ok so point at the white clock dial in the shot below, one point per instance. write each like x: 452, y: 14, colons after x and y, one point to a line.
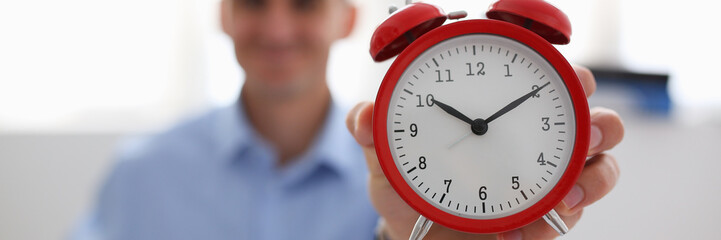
x: 509, y: 167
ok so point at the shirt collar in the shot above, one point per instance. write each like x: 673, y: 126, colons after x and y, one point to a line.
x: 235, y: 137
x: 230, y: 131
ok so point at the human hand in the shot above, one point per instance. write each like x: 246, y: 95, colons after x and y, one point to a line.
x: 599, y: 176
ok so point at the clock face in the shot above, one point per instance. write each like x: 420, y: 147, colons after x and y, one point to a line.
x: 459, y: 147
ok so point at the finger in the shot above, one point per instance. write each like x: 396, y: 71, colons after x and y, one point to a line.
x: 599, y: 176
x: 539, y: 229
x: 606, y: 130
x: 359, y: 123
x: 587, y: 80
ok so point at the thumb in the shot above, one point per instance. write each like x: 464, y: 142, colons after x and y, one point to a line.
x: 360, y: 124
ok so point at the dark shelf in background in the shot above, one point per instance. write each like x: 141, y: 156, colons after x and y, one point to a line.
x: 649, y: 90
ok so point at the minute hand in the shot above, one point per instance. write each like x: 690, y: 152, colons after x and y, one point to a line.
x: 514, y: 104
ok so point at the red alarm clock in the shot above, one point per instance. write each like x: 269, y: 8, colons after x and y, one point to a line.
x: 480, y: 125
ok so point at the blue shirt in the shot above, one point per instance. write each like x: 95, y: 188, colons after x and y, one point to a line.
x: 213, y: 177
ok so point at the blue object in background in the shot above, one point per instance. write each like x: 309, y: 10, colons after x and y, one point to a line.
x: 649, y: 90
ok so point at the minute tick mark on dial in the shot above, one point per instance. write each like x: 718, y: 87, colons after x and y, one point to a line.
x: 406, y: 163
x: 400, y: 106
x: 483, y: 207
x: 529, y: 65
x: 550, y: 163
x: 514, y: 58
x: 419, y: 185
x: 403, y: 98
x: 409, y: 92
x: 539, y: 186
x: 534, y: 72
x: 559, y: 106
x: 524, y: 195
x: 519, y: 202
x: 474, y: 50
x: 429, y: 66
x: 402, y: 155
x: 559, y: 123
x: 559, y: 149
x: 560, y: 115
x: 401, y: 147
x: 449, y: 203
x: 421, y: 70
x: 523, y: 60
x: 552, y: 90
x: 434, y: 196
x: 542, y: 77
x: 412, y: 169
x: 458, y: 52
x: 414, y: 178
x: 544, y: 179
x: 507, y: 51
x: 556, y: 98
x: 436, y: 62
x: 399, y: 130
x: 532, y: 192
x: 549, y: 172
x: 557, y: 157
x: 397, y: 139
x: 427, y: 190
x: 561, y: 140
x: 442, y: 56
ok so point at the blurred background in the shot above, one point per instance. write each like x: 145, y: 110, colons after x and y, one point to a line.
x: 79, y: 76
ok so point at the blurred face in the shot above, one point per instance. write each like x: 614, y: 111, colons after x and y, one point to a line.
x: 283, y: 45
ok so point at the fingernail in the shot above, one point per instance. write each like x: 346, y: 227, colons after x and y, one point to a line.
x: 573, y: 197
x: 596, y: 137
x: 512, y: 235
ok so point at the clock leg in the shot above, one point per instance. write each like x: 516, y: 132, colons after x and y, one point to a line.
x: 421, y: 228
x: 556, y: 222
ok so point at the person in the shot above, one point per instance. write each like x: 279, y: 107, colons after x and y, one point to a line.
x: 279, y: 163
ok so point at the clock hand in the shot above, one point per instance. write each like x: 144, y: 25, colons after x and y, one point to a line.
x: 515, y: 104
x: 452, y: 111
x: 478, y: 126
x: 459, y: 140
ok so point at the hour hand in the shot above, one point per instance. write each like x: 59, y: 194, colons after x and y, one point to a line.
x: 453, y: 112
